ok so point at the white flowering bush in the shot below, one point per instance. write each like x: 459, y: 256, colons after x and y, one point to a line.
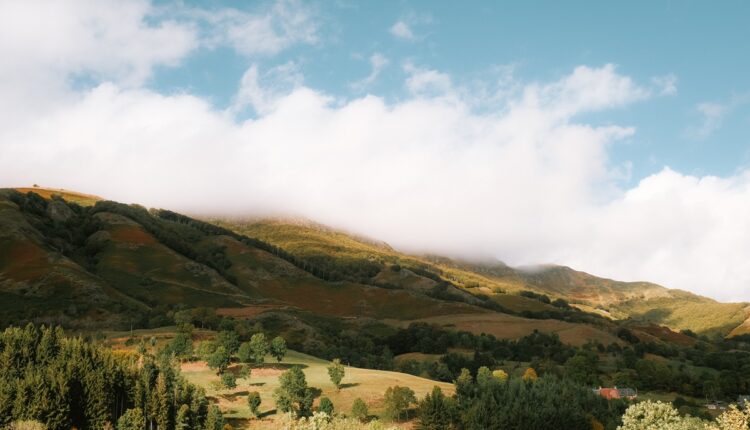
x: 733, y: 419
x: 323, y: 421
x: 650, y: 415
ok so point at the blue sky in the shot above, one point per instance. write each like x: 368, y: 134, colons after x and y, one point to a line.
x: 609, y: 137
x: 699, y: 44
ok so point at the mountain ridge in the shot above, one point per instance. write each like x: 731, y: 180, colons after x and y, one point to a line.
x: 133, y: 259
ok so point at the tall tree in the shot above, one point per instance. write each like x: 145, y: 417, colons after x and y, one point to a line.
x: 259, y: 347
x: 219, y: 360
x: 293, y: 394
x: 336, y: 372
x: 397, y: 402
x: 278, y: 348
x: 214, y: 419
x: 436, y: 412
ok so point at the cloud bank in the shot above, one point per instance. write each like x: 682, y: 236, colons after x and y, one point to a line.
x: 528, y: 181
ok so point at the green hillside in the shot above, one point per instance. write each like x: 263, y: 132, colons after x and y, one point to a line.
x: 79, y: 260
x: 348, y: 256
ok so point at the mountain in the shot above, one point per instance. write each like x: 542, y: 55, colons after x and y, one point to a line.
x: 82, y: 261
x: 639, y: 301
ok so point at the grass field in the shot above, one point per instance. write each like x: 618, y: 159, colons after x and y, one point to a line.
x: 367, y: 384
x: 71, y: 196
x: 504, y: 326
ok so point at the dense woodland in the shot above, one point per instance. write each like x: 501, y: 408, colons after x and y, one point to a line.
x: 70, y: 382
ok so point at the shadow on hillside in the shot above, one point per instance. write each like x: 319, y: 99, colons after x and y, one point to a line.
x: 234, y: 396
x: 349, y: 385
x: 257, y: 384
x: 278, y: 366
x: 653, y: 315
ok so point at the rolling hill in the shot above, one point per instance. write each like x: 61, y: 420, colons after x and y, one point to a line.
x: 640, y: 301
x: 79, y: 260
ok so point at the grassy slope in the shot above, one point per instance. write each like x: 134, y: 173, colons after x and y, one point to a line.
x: 504, y: 326
x: 367, y: 384
x: 149, y: 269
x: 71, y: 196
x: 137, y: 268
x: 642, y: 301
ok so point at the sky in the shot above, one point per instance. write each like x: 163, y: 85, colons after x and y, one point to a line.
x: 609, y: 137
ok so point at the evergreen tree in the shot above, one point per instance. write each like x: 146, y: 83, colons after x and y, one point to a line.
x: 326, y: 406
x: 436, y: 412
x: 464, y: 388
x: 214, y: 419
x: 132, y: 419
x: 182, y: 420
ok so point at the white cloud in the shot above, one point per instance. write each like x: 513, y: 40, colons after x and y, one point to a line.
x: 378, y: 62
x: 712, y: 115
x: 528, y: 181
x: 264, y: 32
x: 261, y: 92
x: 666, y: 84
x: 401, y: 30
x: 422, y: 81
x: 46, y: 45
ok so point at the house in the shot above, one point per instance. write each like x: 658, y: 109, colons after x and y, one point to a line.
x: 616, y: 393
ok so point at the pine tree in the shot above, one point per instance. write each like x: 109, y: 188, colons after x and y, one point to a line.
x: 214, y: 419
x: 436, y: 412
x: 132, y: 419
x: 182, y: 420
x: 326, y: 406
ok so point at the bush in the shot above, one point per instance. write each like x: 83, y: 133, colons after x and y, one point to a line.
x: 326, y: 406
x: 359, y: 409
x: 253, y: 402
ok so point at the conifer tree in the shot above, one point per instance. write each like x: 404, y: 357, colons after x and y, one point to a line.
x: 326, y: 406
x: 214, y: 419
x: 436, y: 412
x: 182, y: 419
